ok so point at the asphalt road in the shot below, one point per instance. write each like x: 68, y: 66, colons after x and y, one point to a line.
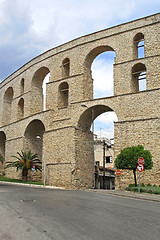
x: 44, y: 214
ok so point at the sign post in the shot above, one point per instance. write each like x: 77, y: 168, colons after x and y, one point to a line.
x: 118, y: 172
x: 140, y: 168
x: 33, y: 168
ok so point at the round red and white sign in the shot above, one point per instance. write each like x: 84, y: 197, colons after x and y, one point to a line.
x: 140, y: 160
x: 140, y: 168
x: 118, y: 172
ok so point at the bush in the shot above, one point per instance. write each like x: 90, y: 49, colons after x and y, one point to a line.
x: 131, y: 185
x: 145, y: 189
x: 149, y: 185
x: 142, y: 185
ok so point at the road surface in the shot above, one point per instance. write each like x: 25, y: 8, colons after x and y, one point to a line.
x: 44, y: 214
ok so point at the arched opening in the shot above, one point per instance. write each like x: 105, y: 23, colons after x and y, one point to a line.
x: 7, y: 105
x: 97, y: 151
x: 2, y: 148
x: 33, y: 137
x: 138, y: 42
x: 44, y: 86
x: 38, y: 90
x: 139, y: 77
x: 99, y: 72
x: 22, y: 86
x: 102, y: 73
x: 20, y: 112
x: 63, y: 95
x: 65, y: 68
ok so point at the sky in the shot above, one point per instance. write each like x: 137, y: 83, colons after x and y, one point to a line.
x: 29, y: 28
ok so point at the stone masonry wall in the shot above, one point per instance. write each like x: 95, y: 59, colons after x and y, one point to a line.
x: 64, y: 129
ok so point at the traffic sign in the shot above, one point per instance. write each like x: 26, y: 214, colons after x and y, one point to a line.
x: 140, y: 160
x: 140, y: 168
x: 118, y: 172
x: 33, y: 167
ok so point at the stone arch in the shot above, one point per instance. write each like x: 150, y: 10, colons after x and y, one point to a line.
x: 22, y: 86
x: 66, y: 68
x: 63, y: 95
x: 33, y: 137
x: 139, y: 77
x: 2, y: 143
x: 88, y: 81
x: 89, y: 115
x: 138, y: 46
x: 36, y: 100
x: 20, y: 110
x: 84, y: 143
x: 7, y: 105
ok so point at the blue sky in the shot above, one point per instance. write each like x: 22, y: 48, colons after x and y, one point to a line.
x: 28, y: 28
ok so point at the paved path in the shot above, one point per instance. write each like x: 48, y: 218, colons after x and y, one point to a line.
x: 143, y: 196
x: 53, y: 214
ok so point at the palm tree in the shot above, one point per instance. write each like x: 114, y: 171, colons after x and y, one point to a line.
x: 25, y: 161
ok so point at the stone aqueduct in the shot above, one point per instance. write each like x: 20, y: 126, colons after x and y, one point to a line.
x: 64, y: 127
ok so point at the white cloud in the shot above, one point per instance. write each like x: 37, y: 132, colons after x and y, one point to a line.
x: 105, y: 132
x: 107, y: 118
x: 102, y: 73
x: 28, y: 28
x: 104, y: 124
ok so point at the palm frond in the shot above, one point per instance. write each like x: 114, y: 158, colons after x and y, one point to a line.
x: 1, y: 159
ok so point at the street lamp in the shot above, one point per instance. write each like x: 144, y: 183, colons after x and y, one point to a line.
x: 44, y: 170
x: 83, y: 105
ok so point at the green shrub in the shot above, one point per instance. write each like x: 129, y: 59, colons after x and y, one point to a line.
x: 156, y: 190
x: 131, y: 185
x: 149, y: 185
x: 145, y: 189
x: 142, y: 185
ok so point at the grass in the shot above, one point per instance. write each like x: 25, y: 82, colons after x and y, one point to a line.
x: 152, y: 189
x: 6, y: 179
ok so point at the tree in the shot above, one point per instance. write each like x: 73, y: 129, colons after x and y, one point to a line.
x: 25, y: 161
x: 1, y: 159
x: 128, y: 159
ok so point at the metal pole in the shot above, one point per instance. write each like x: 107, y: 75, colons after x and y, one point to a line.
x: 93, y: 148
x: 44, y: 170
x: 139, y: 182
x: 31, y: 177
x: 103, y: 164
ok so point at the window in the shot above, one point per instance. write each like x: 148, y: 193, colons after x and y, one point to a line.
x: 20, y: 108
x: 63, y: 95
x: 7, y: 105
x: 139, y: 46
x: 66, y: 68
x: 139, y: 77
x: 108, y: 159
x: 22, y: 85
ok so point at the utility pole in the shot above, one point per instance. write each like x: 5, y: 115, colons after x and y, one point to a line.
x: 104, y: 158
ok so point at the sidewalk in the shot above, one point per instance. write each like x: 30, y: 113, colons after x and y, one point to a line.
x: 128, y: 194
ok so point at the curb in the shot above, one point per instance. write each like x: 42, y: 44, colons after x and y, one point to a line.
x: 31, y: 185
x: 147, y: 197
